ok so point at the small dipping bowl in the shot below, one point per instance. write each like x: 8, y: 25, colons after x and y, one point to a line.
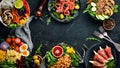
x: 109, y: 24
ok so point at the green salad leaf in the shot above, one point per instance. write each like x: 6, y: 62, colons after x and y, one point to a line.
x: 110, y: 64
x: 115, y: 8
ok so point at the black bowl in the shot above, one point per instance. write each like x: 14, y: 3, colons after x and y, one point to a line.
x: 61, y: 20
x: 89, y: 54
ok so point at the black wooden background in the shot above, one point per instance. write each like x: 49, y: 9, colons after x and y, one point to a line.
x: 73, y: 33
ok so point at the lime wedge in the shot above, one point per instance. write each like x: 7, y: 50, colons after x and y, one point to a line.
x: 18, y: 4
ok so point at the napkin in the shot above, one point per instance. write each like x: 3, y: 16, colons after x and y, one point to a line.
x: 24, y: 33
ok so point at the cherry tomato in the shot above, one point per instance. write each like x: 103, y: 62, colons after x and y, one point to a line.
x: 8, y: 40
x: 21, y: 43
x: 17, y: 40
x: 16, y: 49
x: 13, y: 39
x: 14, y: 44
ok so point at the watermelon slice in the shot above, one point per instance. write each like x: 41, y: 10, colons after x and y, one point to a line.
x: 57, y: 51
x: 108, y: 52
x: 103, y: 53
x: 98, y: 57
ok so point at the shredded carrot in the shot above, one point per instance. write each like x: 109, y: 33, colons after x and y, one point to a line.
x: 89, y: 1
x: 15, y: 16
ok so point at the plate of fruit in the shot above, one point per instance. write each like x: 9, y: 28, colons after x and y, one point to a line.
x: 13, y: 52
x: 101, y: 9
x: 14, y: 13
x: 64, y: 10
x: 101, y: 56
x: 62, y: 56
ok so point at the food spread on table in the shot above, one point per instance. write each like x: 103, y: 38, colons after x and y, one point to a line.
x: 14, y: 52
x: 14, y: 13
x: 101, y: 9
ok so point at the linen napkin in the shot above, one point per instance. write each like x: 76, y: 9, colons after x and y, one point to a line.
x: 24, y: 33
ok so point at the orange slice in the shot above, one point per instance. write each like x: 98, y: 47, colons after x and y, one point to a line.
x: 23, y: 47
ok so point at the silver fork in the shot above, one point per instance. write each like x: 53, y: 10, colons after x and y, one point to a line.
x: 104, y: 35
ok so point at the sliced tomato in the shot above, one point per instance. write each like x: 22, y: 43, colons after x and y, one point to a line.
x: 103, y: 53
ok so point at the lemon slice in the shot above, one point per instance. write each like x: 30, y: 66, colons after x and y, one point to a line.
x: 18, y: 4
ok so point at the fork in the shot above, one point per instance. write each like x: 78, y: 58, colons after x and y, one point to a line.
x: 104, y: 35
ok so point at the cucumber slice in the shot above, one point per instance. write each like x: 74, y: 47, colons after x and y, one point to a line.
x: 93, y: 9
x: 105, y: 16
x: 93, y: 4
x: 101, y: 17
x: 97, y: 17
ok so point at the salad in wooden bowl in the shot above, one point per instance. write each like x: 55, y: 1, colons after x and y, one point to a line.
x: 101, y: 9
x: 62, y: 56
x: 14, y: 13
x: 63, y: 10
x: 13, y: 53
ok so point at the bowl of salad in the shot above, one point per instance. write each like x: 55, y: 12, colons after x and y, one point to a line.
x: 101, y: 56
x: 63, y: 10
x: 101, y: 9
x: 62, y: 56
x: 13, y: 53
x: 14, y: 13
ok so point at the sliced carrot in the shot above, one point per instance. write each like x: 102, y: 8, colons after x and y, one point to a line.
x: 15, y: 16
x: 89, y: 1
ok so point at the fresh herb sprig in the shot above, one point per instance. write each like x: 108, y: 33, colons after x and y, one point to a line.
x: 92, y: 39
